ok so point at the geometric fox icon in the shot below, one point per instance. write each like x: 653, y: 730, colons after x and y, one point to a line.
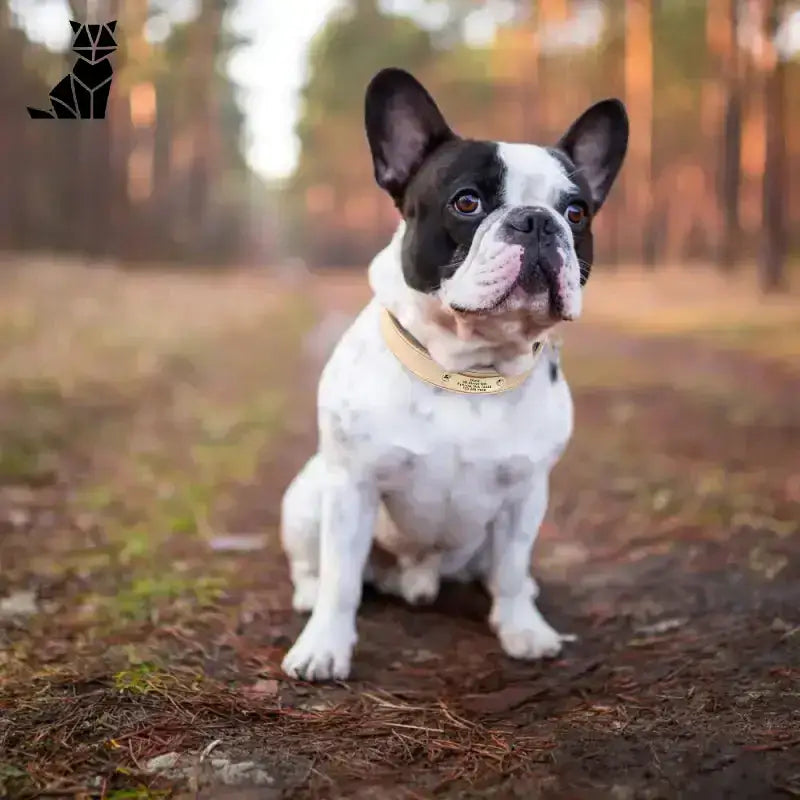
x: 83, y: 94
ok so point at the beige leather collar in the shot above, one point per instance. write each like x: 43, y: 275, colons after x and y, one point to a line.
x: 416, y: 359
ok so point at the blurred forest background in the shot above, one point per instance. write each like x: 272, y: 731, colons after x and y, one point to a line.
x: 152, y: 412
x: 713, y: 173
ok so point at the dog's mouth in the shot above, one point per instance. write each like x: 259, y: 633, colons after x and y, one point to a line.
x: 494, y: 305
x: 513, y: 279
x: 542, y: 298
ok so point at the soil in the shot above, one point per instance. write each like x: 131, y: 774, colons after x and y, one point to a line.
x: 671, y: 549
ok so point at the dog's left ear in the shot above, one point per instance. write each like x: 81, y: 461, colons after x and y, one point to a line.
x: 404, y: 126
x: 596, y: 143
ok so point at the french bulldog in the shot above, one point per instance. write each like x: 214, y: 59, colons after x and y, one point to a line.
x: 442, y: 408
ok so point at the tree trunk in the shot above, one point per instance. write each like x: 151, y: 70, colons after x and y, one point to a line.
x: 639, y: 96
x: 730, y: 170
x: 118, y: 124
x: 550, y: 104
x: 773, y: 251
x: 528, y: 76
x: 205, y: 121
x: 138, y: 110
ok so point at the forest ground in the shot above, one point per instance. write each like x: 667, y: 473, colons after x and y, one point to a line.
x: 150, y: 422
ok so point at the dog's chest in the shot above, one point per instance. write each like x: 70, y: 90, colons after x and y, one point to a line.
x: 443, y: 462
x: 445, y: 476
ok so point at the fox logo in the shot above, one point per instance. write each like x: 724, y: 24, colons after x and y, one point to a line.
x: 83, y: 94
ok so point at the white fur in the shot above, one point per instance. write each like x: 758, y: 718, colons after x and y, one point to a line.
x: 533, y: 176
x: 452, y: 486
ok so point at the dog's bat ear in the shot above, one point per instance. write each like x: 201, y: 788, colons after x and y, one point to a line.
x: 76, y: 26
x: 404, y: 126
x: 597, y: 142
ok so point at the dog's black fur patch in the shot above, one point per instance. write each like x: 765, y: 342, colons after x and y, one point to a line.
x: 432, y: 253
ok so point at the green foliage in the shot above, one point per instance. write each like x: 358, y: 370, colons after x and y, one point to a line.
x: 139, y: 793
x: 357, y: 41
x: 342, y: 59
x: 12, y: 779
x: 680, y: 65
x: 147, y: 593
x: 147, y: 678
x: 42, y: 425
x: 141, y: 679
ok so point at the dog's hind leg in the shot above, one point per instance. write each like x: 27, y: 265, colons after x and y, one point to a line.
x: 416, y: 580
x: 300, y: 529
x: 415, y: 577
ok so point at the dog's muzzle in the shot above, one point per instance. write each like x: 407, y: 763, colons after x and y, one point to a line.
x: 540, y: 235
x: 524, y: 256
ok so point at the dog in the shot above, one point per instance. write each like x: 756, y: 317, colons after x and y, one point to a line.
x: 442, y: 408
x: 83, y: 94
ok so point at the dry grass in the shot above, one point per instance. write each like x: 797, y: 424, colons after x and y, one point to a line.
x: 134, y: 406
x: 700, y: 303
x: 72, y: 323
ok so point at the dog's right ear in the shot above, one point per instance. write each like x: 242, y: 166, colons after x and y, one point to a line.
x: 404, y: 126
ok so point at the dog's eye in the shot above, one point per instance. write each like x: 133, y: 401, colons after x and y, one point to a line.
x: 575, y: 214
x: 467, y: 203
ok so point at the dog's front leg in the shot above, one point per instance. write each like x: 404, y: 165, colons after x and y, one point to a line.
x: 522, y: 630
x: 324, y: 649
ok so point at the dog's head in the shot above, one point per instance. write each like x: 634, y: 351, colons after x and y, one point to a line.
x: 93, y: 43
x: 492, y: 229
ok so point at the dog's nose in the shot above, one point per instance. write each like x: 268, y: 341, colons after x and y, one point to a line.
x: 536, y: 229
x: 530, y: 221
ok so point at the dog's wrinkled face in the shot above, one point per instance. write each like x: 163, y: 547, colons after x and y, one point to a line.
x: 492, y: 228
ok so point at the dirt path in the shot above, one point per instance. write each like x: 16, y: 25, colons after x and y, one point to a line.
x: 672, y: 549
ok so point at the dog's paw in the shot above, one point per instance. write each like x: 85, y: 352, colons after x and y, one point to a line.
x: 305, y: 594
x: 322, y: 652
x: 524, y: 633
x: 530, y: 644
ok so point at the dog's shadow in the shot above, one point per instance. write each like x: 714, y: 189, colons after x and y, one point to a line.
x: 398, y: 639
x: 455, y: 599
x: 468, y: 601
